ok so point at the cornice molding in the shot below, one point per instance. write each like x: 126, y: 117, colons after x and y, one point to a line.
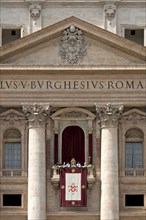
x: 76, y: 3
x: 23, y: 70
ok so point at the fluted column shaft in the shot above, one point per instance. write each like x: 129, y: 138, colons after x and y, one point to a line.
x: 109, y: 116
x: 36, y: 115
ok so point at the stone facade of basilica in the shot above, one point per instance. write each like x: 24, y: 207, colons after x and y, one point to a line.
x: 73, y: 85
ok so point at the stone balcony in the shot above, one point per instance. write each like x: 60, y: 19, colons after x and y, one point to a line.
x: 13, y: 173
x: 135, y: 172
x: 56, y: 175
x: 133, y: 176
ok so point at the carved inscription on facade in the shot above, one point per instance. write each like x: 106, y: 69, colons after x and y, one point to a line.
x: 72, y: 85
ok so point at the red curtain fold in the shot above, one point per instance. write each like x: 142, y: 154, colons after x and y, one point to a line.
x: 73, y: 144
x: 75, y: 203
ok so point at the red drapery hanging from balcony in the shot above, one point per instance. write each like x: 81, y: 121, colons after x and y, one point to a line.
x: 73, y: 144
x: 73, y: 187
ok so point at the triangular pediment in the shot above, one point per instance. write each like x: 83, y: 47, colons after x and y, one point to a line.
x: 85, y: 45
x: 11, y: 116
x: 134, y: 115
x: 134, y: 111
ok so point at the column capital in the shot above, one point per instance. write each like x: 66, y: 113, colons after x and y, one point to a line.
x: 109, y: 114
x: 36, y: 114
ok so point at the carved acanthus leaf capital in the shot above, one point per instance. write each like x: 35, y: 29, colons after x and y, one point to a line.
x: 36, y: 114
x: 109, y: 114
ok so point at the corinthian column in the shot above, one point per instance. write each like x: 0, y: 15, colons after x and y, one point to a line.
x: 109, y: 116
x: 36, y: 116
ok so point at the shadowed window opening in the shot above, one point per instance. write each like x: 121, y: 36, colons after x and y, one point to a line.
x: 9, y: 35
x: 136, y: 35
x: 134, y: 200
x: 12, y: 200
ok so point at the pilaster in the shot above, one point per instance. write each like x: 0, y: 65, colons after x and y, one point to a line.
x: 35, y: 17
x: 110, y: 17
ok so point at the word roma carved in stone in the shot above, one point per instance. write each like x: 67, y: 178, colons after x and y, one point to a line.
x: 72, y: 85
x: 72, y: 45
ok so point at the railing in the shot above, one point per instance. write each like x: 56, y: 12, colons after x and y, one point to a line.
x: 56, y: 175
x: 135, y: 172
x: 13, y: 173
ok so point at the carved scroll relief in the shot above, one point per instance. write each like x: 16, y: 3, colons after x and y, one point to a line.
x: 35, y: 17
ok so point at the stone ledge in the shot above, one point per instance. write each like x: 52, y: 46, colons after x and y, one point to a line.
x: 132, y: 180
x: 133, y: 215
x: 73, y: 215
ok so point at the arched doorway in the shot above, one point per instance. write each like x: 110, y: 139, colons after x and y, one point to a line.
x: 73, y: 144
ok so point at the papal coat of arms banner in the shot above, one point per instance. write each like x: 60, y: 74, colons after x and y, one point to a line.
x: 73, y: 187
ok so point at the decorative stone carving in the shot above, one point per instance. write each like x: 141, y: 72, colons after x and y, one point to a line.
x: 72, y: 45
x: 90, y: 176
x: 12, y: 116
x: 134, y: 118
x: 35, y: 11
x: 109, y: 114
x: 110, y: 11
x: 134, y: 133
x: 73, y: 115
x: 65, y: 111
x: 12, y: 133
x: 36, y: 114
x: 56, y: 176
